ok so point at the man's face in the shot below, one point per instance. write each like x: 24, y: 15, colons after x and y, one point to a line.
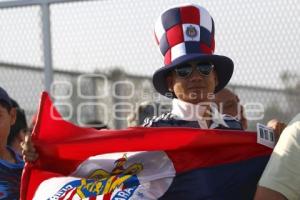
x: 195, y: 87
x: 7, y: 118
x: 229, y: 103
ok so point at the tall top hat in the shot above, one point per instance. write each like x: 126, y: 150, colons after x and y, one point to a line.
x: 185, y: 33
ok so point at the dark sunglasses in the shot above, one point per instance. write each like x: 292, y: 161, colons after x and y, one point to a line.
x: 186, y: 70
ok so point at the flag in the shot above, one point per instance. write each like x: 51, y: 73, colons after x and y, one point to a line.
x: 139, y: 163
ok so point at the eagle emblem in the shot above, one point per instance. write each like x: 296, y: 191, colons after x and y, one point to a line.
x: 191, y: 31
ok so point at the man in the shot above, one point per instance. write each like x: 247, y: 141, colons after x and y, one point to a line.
x: 192, y: 73
x: 277, y: 126
x: 229, y: 103
x: 19, y: 130
x: 144, y: 110
x: 281, y: 178
x: 191, y: 77
x: 11, y: 165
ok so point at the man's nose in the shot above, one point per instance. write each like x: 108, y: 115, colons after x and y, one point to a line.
x: 195, y: 75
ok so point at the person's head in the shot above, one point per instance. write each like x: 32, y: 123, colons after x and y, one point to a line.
x: 192, y: 73
x: 19, y: 130
x: 7, y: 116
x: 193, y: 82
x: 144, y: 110
x: 229, y: 103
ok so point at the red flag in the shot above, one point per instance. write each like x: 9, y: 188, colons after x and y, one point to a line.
x: 63, y: 148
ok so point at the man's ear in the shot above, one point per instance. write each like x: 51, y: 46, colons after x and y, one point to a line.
x: 169, y: 80
x: 13, y: 116
x: 216, y: 78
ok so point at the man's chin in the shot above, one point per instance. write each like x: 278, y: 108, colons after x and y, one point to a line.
x: 196, y: 96
x: 198, y: 99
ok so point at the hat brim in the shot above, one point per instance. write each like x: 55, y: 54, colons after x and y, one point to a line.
x: 223, y: 66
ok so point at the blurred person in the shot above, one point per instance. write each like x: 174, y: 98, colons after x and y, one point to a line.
x: 11, y: 164
x: 277, y: 126
x: 19, y: 130
x: 145, y: 110
x: 281, y: 177
x: 229, y: 103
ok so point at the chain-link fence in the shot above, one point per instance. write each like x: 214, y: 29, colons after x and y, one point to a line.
x: 103, y: 54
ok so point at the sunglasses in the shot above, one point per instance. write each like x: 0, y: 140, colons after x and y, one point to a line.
x: 186, y: 70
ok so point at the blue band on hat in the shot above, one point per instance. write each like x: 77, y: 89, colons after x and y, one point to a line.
x: 171, y: 18
x: 164, y: 44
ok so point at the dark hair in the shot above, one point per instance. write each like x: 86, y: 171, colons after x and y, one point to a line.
x: 146, y: 110
x: 14, y: 103
x: 96, y: 124
x: 5, y: 105
x: 19, y: 125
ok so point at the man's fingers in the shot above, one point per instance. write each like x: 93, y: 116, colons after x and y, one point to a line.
x: 28, y: 151
x: 27, y: 138
x: 28, y: 147
x: 29, y: 156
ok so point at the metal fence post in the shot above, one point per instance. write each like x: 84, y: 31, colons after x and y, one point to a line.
x: 47, y: 50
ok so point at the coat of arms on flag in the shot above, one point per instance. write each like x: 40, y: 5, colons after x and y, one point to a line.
x: 110, y: 178
x: 140, y: 163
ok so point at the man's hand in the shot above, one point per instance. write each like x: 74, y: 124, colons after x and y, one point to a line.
x: 28, y: 151
x: 263, y: 193
x: 277, y: 126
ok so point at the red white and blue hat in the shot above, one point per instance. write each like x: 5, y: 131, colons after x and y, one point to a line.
x: 185, y: 33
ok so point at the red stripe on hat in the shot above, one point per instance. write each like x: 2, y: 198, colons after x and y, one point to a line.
x: 189, y: 15
x: 212, y: 44
x: 156, y: 40
x: 205, y: 49
x: 168, y: 57
x: 175, y: 35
